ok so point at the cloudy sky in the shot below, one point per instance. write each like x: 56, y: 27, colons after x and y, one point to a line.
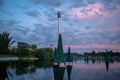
x: 86, y: 25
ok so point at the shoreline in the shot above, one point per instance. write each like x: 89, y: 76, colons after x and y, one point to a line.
x: 16, y: 58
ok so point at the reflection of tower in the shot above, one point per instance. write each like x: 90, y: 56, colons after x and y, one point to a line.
x: 107, y: 59
x: 58, y: 72
x: 58, y: 16
x: 69, y: 70
x: 107, y: 65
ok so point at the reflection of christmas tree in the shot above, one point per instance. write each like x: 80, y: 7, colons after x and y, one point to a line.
x: 107, y: 65
x: 69, y: 69
x: 58, y: 72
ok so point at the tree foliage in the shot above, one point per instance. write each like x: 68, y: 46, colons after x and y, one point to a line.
x: 32, y: 50
x: 45, y: 53
x: 23, y: 48
x: 5, y: 42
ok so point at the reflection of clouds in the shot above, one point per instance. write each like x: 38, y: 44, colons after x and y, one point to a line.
x: 95, y: 66
x: 80, y: 71
x: 95, y: 72
x: 40, y: 74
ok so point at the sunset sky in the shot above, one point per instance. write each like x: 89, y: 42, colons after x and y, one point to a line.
x: 86, y: 25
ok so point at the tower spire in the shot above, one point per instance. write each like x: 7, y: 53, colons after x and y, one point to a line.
x: 58, y: 16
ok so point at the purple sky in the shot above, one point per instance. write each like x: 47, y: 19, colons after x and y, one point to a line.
x: 86, y: 25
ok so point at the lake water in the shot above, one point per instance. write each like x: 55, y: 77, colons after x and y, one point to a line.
x: 43, y: 70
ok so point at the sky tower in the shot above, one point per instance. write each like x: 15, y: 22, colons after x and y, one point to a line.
x: 59, y: 57
x: 58, y: 16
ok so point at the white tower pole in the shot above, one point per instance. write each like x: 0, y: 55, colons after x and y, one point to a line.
x: 58, y: 16
x: 58, y: 26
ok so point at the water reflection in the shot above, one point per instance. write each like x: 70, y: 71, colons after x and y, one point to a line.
x: 58, y: 72
x: 107, y: 65
x: 3, y: 71
x: 69, y: 70
x: 44, y: 70
x: 11, y: 69
x: 23, y: 67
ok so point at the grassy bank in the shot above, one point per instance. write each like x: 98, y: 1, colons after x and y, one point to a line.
x: 3, y: 56
x: 20, y: 56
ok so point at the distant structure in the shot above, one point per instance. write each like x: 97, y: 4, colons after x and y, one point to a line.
x: 59, y: 56
x: 60, y: 59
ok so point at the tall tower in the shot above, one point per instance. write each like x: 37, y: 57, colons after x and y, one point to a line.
x: 59, y: 57
x: 58, y: 16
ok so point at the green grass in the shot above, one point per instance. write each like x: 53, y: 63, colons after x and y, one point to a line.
x: 24, y: 56
x: 3, y: 55
x: 20, y: 56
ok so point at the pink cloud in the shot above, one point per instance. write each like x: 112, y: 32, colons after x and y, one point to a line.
x: 112, y: 13
x: 99, y: 46
x: 92, y: 11
x: 113, y: 28
x: 94, y: 46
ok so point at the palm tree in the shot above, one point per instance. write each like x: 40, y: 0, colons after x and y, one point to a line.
x: 5, y: 42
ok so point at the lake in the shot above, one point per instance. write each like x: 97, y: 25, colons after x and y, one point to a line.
x: 44, y: 70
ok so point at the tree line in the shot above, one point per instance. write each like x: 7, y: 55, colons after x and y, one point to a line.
x: 107, y: 55
x: 22, y: 48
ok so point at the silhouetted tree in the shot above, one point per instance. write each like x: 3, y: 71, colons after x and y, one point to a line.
x: 39, y: 53
x: 33, y: 49
x: 23, y: 48
x: 45, y: 53
x: 5, y: 42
